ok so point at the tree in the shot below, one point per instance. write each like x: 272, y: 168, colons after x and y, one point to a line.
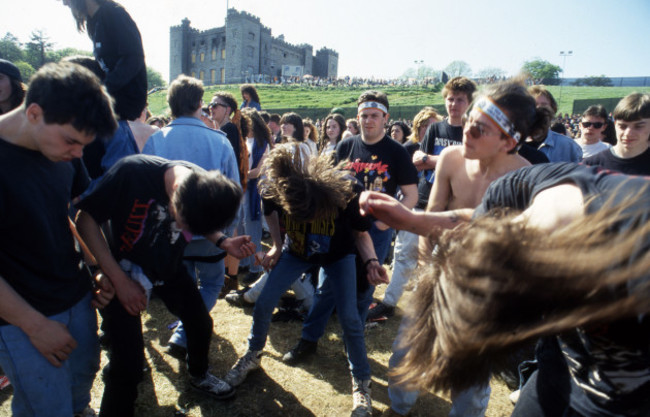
x: 154, y: 78
x: 37, y: 48
x: 594, y: 81
x: 490, y: 73
x: 57, y: 54
x: 458, y: 68
x: 542, y: 72
x: 10, y: 48
x: 25, y: 69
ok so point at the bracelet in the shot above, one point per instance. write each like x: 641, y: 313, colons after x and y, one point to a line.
x: 365, y: 265
x: 220, y: 241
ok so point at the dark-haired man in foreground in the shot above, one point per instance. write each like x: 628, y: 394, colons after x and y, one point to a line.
x: 155, y: 206
x: 48, y: 328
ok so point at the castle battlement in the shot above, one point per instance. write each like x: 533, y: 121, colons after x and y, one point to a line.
x: 249, y: 52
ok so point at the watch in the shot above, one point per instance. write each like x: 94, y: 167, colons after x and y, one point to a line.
x: 220, y: 241
x: 425, y: 158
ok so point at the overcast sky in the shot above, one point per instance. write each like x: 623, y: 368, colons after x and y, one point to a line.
x: 383, y: 38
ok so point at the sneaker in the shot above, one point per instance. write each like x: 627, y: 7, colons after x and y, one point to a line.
x: 514, y: 396
x: 229, y: 284
x: 236, y: 298
x: 87, y: 412
x: 362, y: 404
x: 300, y: 352
x: 380, y: 311
x: 247, y: 363
x: 176, y: 351
x: 212, y: 386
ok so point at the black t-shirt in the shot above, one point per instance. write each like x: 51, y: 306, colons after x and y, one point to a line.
x: 609, y: 364
x: 233, y: 136
x: 437, y: 137
x: 322, y: 241
x: 532, y: 155
x: 411, y: 147
x: 132, y: 196
x: 382, y: 166
x: 638, y: 165
x: 37, y: 251
x: 117, y: 47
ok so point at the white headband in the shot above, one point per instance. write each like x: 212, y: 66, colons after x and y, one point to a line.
x: 372, y: 105
x: 491, y: 110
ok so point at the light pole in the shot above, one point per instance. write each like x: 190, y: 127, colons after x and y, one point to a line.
x: 563, y: 54
x: 419, y: 63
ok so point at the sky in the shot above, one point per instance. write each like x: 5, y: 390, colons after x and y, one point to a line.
x: 384, y: 38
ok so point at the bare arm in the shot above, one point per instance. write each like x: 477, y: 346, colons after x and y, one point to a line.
x: 376, y: 273
x: 51, y: 338
x: 272, y: 256
x: 237, y: 246
x: 131, y: 295
x: 431, y: 162
x: 397, y: 215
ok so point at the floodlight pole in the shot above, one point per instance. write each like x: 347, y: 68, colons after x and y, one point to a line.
x: 563, y: 54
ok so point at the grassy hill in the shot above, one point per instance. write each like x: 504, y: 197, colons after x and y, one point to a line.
x: 315, y: 102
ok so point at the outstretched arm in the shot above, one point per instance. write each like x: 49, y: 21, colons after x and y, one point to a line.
x: 395, y: 214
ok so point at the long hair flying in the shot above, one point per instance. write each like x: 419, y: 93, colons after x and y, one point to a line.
x: 496, y: 284
x: 305, y: 188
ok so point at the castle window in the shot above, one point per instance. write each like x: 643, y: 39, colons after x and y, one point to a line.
x: 213, y: 76
x: 223, y: 53
x: 202, y: 56
x: 251, y: 36
x: 201, y: 75
x: 284, y: 54
x: 193, y: 74
x: 214, y: 54
x: 193, y: 57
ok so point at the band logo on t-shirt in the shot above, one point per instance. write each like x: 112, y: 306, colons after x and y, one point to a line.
x: 310, y: 238
x: 375, y: 174
x: 151, y: 219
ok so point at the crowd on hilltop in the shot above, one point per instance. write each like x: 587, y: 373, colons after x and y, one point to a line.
x: 521, y: 237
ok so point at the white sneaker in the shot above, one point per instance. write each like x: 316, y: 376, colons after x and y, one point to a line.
x: 247, y: 363
x: 362, y: 403
x: 213, y: 386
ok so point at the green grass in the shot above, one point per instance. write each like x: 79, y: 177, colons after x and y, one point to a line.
x: 316, y: 102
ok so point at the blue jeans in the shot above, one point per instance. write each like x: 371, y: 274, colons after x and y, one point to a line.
x: 41, y: 389
x: 471, y: 402
x: 253, y: 228
x: 324, y: 300
x: 210, y: 277
x: 338, y: 277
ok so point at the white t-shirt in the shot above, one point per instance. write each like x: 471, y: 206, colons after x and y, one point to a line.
x: 593, y: 149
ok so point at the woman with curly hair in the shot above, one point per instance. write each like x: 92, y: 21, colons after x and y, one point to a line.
x: 250, y: 98
x: 399, y: 131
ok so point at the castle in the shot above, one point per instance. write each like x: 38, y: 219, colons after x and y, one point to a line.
x: 243, y: 51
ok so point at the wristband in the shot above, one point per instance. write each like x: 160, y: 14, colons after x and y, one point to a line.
x: 220, y: 241
x: 365, y: 265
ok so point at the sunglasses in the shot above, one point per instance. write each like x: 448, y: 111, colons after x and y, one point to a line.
x: 477, y: 130
x: 596, y: 125
x: 213, y: 105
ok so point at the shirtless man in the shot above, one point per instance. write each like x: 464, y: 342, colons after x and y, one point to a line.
x: 491, y: 138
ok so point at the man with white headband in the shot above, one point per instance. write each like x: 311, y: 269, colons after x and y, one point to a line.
x: 492, y: 135
x: 380, y: 164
